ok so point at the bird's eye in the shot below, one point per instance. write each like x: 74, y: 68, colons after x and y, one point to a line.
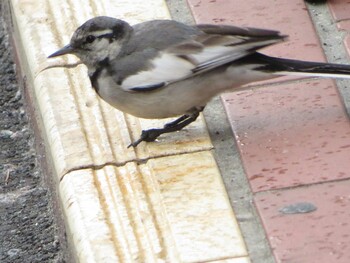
x: 90, y: 39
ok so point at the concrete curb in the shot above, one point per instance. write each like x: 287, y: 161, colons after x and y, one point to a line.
x: 164, y: 201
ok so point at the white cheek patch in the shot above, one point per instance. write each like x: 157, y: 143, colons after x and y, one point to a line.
x: 104, y: 48
x: 100, y: 50
x: 113, y: 49
x: 166, y: 68
x: 101, y: 44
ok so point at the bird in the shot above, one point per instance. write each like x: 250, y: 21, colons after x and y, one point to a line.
x: 165, y: 69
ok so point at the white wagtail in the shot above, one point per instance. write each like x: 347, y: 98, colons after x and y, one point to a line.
x: 163, y: 68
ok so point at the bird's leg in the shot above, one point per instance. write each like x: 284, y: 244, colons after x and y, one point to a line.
x: 175, y: 122
x: 152, y: 134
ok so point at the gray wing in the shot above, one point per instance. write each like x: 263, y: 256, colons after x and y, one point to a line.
x: 164, y: 51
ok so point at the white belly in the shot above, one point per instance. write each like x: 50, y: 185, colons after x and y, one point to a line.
x: 178, y: 98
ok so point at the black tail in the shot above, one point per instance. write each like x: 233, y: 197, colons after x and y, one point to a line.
x: 281, y: 66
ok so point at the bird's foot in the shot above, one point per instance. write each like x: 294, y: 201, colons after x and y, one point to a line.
x: 147, y: 136
x: 176, y: 125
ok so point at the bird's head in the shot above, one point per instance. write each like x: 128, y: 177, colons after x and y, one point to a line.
x: 97, y: 39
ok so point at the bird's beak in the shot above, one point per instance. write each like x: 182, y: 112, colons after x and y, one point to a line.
x: 68, y: 49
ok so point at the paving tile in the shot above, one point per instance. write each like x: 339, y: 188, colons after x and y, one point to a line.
x: 340, y: 9
x: 320, y: 236
x: 194, y: 182
x: 233, y: 260
x: 347, y: 43
x: 81, y: 129
x: 170, y: 209
x: 292, y: 134
x: 344, y: 25
x: 303, y: 41
x: 173, y: 209
x: 84, y: 131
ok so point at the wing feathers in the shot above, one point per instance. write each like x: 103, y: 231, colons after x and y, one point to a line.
x: 186, y: 48
x: 166, y: 68
x: 216, y: 46
x: 238, y: 31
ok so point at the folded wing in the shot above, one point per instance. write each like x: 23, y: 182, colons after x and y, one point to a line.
x: 215, y: 46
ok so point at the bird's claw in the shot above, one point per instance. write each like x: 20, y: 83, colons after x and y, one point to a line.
x: 176, y: 125
x: 147, y: 136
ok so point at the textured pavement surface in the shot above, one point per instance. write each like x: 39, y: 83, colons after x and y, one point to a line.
x: 293, y: 137
x: 282, y: 148
x: 28, y: 231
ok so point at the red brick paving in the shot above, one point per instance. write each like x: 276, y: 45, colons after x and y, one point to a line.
x: 347, y: 45
x: 271, y: 14
x: 321, y: 236
x: 292, y: 135
x: 340, y: 9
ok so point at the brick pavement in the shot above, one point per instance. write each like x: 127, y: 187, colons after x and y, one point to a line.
x: 294, y: 138
x: 292, y: 135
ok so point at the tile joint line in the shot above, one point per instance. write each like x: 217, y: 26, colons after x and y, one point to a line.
x: 302, y: 186
x: 136, y: 161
